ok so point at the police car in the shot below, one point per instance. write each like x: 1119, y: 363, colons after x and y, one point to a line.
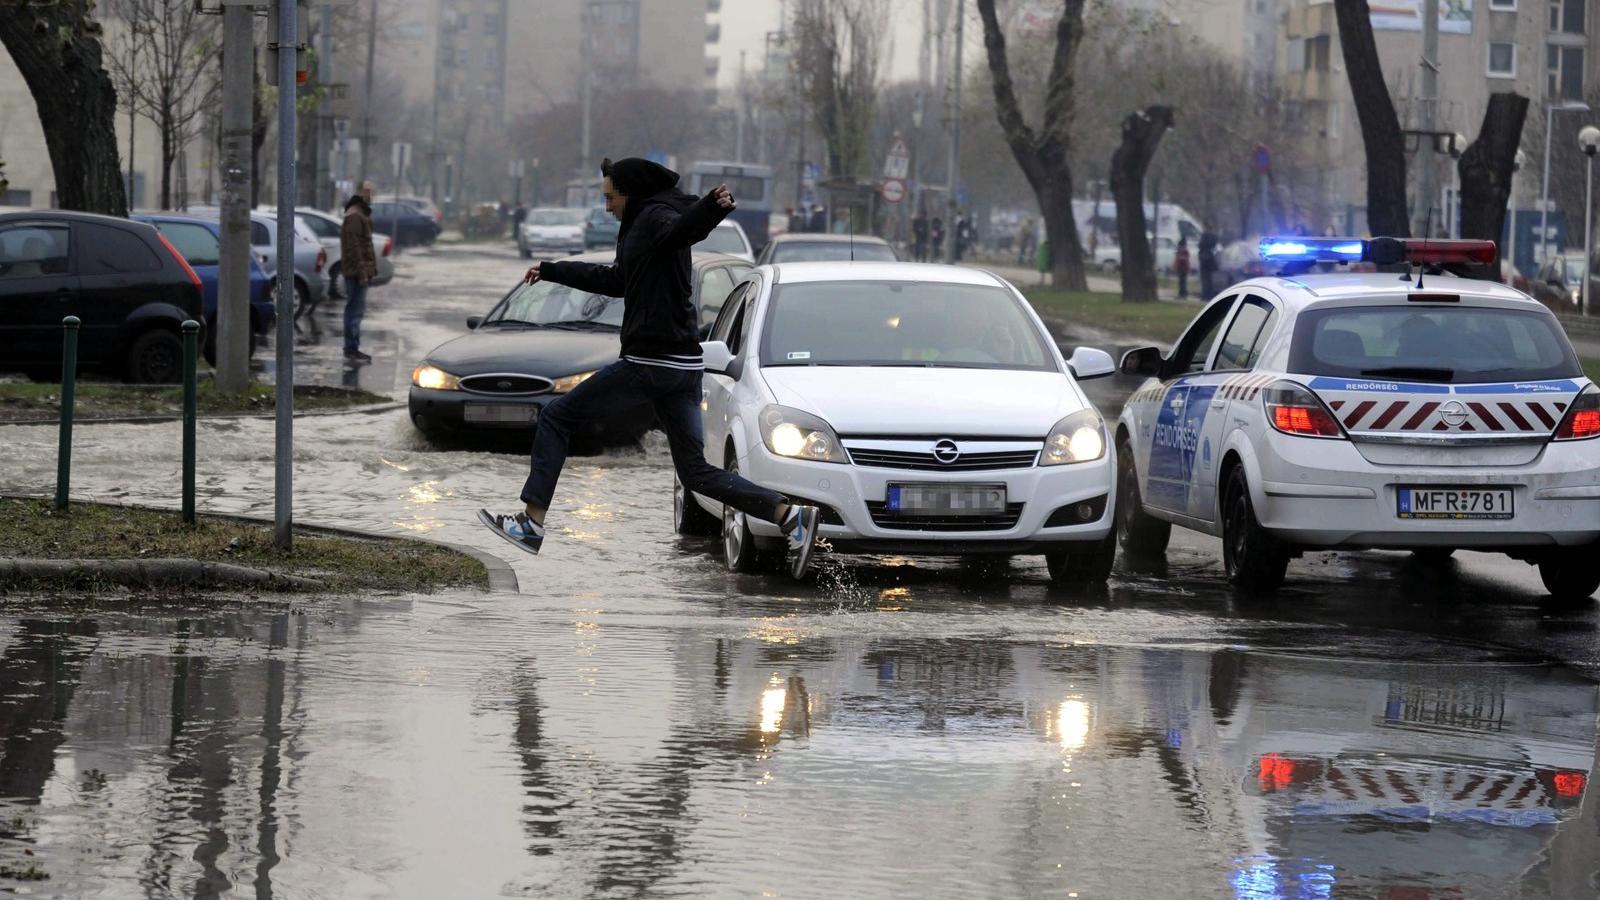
x: 1409, y: 410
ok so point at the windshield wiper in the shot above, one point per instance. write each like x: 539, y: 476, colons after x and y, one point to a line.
x: 1424, y: 373
x: 580, y: 325
x: 512, y: 322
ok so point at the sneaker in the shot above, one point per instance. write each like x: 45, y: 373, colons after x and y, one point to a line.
x: 800, y: 527
x: 357, y: 356
x: 516, y: 528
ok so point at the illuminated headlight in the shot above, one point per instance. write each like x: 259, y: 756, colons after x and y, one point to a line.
x: 433, y: 378
x: 1080, y: 437
x: 800, y: 435
x: 564, y: 385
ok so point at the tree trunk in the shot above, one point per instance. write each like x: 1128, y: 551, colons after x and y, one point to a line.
x: 57, y: 48
x: 1061, y: 229
x: 1380, y: 127
x: 1486, y: 170
x: 168, y: 151
x: 1141, y: 135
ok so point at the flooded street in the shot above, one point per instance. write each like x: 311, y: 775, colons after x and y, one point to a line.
x: 638, y: 722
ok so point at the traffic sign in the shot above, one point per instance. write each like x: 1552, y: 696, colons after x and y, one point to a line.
x: 893, y: 190
x: 898, y: 165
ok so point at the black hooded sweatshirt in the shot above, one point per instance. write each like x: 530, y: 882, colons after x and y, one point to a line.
x: 652, y: 273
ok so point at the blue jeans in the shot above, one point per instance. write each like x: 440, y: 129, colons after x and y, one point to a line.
x: 674, y: 394
x: 355, y: 308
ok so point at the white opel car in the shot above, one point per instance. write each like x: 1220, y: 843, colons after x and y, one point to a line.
x: 1417, y: 411
x: 924, y: 409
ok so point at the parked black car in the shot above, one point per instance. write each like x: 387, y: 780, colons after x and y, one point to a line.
x: 406, y: 223
x: 537, y: 343
x: 125, y: 281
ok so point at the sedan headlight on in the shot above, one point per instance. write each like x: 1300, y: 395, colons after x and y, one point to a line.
x: 565, y: 385
x: 800, y: 435
x: 433, y: 378
x: 1080, y: 437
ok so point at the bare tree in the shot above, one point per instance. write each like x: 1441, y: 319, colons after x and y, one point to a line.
x: 1044, y: 156
x: 838, y: 46
x: 57, y: 48
x: 1141, y: 136
x: 169, y: 69
x: 1486, y: 168
x: 1380, y: 126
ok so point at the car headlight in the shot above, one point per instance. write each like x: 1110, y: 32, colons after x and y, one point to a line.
x: 433, y: 378
x: 800, y: 435
x: 1080, y: 437
x: 565, y: 385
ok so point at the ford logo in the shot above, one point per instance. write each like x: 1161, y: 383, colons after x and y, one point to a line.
x: 1453, y: 414
x: 503, y: 385
x: 946, y: 451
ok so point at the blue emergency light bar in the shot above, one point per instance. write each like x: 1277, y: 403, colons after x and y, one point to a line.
x: 1311, y: 249
x: 1382, y: 251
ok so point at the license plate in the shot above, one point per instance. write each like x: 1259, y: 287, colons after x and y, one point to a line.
x: 1458, y: 503
x: 946, y: 499
x: 500, y: 414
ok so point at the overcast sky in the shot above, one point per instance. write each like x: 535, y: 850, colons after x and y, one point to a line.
x: 746, y: 22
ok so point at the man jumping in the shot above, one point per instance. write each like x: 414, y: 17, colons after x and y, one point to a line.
x: 661, y: 363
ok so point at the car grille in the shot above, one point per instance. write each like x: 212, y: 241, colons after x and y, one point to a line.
x: 506, y: 384
x: 925, y: 462
x: 1005, y: 521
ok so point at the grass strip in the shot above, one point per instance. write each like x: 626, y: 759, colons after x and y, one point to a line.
x: 1158, y: 322
x: 32, y: 529
x: 26, y: 401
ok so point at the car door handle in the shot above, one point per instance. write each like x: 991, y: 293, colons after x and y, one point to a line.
x: 1218, y: 404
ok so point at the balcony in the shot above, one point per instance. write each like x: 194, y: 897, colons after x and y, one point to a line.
x: 713, y: 66
x: 1311, y: 86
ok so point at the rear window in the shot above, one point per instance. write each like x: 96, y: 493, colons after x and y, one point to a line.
x: 111, y: 251
x: 1453, y: 345
x: 723, y: 240
x: 196, y: 242
x: 831, y: 251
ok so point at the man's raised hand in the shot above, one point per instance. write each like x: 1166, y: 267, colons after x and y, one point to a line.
x: 723, y: 198
x: 533, y: 274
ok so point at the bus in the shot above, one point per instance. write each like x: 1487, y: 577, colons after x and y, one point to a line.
x: 751, y: 186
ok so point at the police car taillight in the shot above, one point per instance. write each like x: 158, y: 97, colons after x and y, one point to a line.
x: 1293, y: 409
x: 1582, y: 421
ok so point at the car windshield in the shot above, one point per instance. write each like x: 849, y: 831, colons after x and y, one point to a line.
x: 548, y: 303
x: 1456, y: 345
x: 832, y: 251
x: 724, y: 240
x: 556, y: 217
x: 883, y: 323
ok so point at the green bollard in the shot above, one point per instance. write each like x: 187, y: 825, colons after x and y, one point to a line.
x: 191, y: 344
x: 69, y: 392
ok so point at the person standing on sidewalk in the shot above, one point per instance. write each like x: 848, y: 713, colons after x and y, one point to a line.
x: 359, y: 263
x: 1208, y: 265
x: 1180, y: 266
x: 919, y: 237
x: 661, y: 364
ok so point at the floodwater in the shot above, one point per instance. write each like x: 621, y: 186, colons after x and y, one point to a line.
x: 637, y: 722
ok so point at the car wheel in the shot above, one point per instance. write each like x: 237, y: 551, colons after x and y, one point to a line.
x: 687, y: 515
x: 1087, y: 564
x: 156, y: 357
x: 739, y: 548
x: 302, y: 299
x: 1569, y: 576
x: 1139, y: 533
x: 1255, y: 560
x: 334, y: 289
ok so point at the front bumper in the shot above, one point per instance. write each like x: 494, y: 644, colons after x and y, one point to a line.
x: 1034, y: 495
x: 445, y: 413
x: 551, y: 245
x: 1324, y: 493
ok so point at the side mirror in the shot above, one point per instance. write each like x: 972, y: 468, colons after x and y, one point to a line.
x: 1087, y: 362
x: 474, y: 321
x: 719, y: 359
x: 1142, y: 361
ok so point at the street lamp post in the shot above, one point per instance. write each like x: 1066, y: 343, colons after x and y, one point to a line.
x: 1544, y: 191
x: 1589, y: 141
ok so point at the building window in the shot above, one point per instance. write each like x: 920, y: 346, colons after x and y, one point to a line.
x: 1502, y: 60
x: 1565, y: 67
x: 18, y: 198
x: 491, y: 23
x: 1503, y: 5
x: 1566, y: 16
x: 1317, y: 53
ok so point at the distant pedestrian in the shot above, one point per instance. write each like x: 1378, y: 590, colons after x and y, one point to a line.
x: 518, y: 216
x: 964, y: 235
x: 1180, y: 265
x: 819, y: 219
x: 1026, y: 241
x: 359, y: 264
x: 919, y: 237
x: 936, y: 237
x: 1208, y: 265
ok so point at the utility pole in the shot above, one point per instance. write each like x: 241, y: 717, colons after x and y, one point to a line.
x: 283, y: 463
x: 587, y: 74
x: 366, y: 101
x: 738, y: 126
x: 1426, y: 174
x: 955, y: 134
x: 233, y: 275
x: 325, y: 194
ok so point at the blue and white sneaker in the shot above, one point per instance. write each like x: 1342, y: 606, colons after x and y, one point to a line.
x: 516, y: 528
x: 800, y: 527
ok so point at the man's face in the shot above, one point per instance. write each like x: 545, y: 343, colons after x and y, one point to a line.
x: 367, y: 189
x: 615, y: 202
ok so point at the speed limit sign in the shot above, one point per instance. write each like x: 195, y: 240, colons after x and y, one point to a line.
x: 893, y: 190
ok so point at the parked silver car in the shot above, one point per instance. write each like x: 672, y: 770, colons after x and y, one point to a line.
x: 327, y: 228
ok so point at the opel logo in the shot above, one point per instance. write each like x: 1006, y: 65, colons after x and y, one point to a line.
x: 946, y: 451
x: 1453, y: 414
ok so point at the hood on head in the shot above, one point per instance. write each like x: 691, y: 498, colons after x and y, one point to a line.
x: 639, y: 178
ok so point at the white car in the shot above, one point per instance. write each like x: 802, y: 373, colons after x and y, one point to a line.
x: 924, y: 409
x: 1108, y: 257
x: 552, y: 229
x: 728, y: 237
x: 1426, y: 413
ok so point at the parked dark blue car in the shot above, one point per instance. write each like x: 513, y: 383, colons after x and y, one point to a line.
x: 197, y: 239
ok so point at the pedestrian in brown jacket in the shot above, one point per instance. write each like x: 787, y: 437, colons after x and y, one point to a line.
x: 360, y: 265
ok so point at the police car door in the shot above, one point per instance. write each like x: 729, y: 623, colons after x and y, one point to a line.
x: 1187, y: 389
x: 1232, y: 377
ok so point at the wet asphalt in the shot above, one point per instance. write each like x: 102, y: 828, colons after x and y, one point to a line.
x: 637, y: 722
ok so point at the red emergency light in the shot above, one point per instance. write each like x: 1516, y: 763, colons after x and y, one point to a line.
x: 1430, y: 252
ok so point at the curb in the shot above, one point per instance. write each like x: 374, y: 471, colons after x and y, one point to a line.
x: 155, y: 572
x: 371, y: 409
x: 502, y: 578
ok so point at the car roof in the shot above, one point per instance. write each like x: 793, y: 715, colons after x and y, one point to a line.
x: 801, y: 272
x: 821, y: 237
x: 1312, y: 287
x: 68, y: 215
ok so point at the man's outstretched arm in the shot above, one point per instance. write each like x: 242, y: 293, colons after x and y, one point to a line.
x: 592, y: 277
